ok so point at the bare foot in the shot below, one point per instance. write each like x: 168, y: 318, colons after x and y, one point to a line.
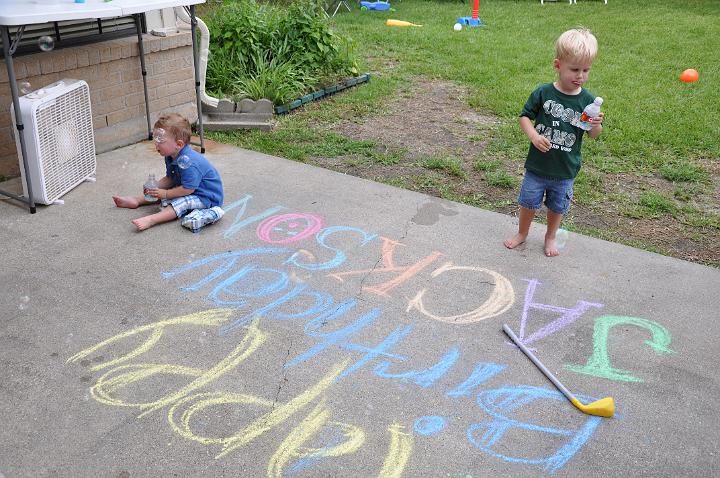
x: 515, y: 241
x: 551, y: 249
x: 143, y: 223
x: 126, y: 201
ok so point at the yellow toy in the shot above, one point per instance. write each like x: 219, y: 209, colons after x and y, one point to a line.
x: 605, y: 407
x: 399, y: 23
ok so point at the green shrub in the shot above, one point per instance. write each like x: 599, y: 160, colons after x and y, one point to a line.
x: 276, y: 77
x: 305, y: 31
x: 279, y: 53
x: 242, y: 27
x: 222, y: 72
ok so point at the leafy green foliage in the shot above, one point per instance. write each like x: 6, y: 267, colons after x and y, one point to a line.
x: 275, y: 78
x: 279, y: 53
x: 310, y: 42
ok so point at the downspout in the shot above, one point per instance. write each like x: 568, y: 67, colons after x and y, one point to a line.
x: 204, y: 51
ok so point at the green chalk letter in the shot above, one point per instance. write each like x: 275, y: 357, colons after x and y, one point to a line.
x: 599, y: 363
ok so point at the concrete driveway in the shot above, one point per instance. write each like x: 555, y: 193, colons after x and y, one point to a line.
x: 332, y: 326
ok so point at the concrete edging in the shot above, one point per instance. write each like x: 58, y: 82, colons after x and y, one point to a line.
x: 257, y: 114
x: 321, y: 93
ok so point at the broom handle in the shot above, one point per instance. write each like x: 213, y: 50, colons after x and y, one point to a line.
x: 537, y: 363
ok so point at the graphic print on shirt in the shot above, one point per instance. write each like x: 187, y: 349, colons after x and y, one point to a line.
x: 559, y: 139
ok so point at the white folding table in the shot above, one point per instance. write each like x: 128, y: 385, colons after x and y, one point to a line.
x: 18, y: 13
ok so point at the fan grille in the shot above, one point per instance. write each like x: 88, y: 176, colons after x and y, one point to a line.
x: 66, y: 146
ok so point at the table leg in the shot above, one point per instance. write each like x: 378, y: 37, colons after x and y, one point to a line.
x: 18, y: 119
x: 193, y: 28
x: 141, y: 50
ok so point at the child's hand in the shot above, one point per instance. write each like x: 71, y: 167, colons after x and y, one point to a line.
x: 156, y: 193
x: 596, y: 125
x: 597, y: 120
x: 541, y: 143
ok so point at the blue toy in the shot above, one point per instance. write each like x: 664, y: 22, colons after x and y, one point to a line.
x: 474, y: 20
x: 374, y: 6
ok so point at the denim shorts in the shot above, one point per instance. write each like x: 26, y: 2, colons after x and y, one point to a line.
x: 558, y: 193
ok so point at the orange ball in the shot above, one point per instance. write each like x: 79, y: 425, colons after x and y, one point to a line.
x: 689, y: 76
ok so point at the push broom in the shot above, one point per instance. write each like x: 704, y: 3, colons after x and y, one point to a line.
x: 605, y: 407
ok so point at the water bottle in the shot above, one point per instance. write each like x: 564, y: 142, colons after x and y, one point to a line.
x: 150, y: 184
x: 590, y: 111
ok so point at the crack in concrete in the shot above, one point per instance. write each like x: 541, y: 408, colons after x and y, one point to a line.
x: 408, y: 224
x: 284, y: 378
x: 362, y: 281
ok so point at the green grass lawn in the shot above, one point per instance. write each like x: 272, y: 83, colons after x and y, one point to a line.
x: 655, y: 125
x: 652, y: 119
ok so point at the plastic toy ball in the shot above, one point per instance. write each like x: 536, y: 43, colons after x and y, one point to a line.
x: 457, y: 27
x: 689, y: 76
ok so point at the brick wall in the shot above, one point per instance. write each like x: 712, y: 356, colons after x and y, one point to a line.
x: 112, y: 71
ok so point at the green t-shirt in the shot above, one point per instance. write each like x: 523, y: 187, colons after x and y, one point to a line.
x: 556, y: 117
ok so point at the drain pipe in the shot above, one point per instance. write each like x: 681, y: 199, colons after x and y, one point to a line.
x: 204, y: 47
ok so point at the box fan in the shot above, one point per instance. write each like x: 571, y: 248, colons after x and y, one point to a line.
x: 59, y: 140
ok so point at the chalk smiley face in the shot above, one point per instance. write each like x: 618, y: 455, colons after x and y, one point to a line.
x: 287, y: 228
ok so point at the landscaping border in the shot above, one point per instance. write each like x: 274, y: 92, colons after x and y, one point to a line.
x: 321, y: 93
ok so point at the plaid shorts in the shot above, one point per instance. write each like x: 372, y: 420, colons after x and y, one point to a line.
x: 200, y: 218
x: 184, y: 204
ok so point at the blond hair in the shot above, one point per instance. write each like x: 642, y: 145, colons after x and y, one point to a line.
x: 176, y: 125
x: 577, y: 44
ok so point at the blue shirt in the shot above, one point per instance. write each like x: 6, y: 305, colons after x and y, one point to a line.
x: 200, y: 176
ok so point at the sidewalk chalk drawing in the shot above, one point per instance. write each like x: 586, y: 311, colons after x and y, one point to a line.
x: 249, y: 288
x: 599, y: 362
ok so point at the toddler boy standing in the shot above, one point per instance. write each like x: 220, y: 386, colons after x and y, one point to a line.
x: 554, y: 158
